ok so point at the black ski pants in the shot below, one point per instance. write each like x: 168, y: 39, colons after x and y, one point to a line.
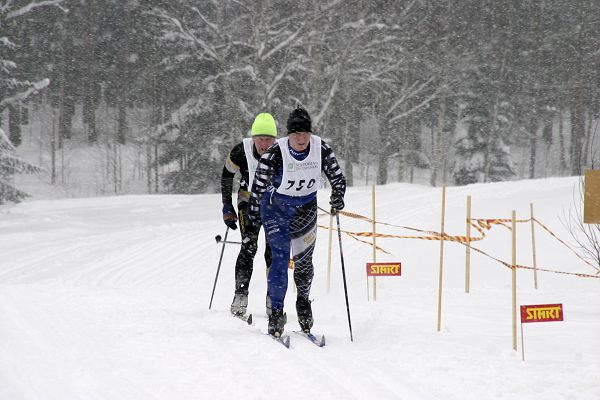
x: 245, y: 261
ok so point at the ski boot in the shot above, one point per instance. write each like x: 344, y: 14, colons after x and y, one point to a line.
x: 304, y: 310
x: 239, y: 304
x: 276, y: 323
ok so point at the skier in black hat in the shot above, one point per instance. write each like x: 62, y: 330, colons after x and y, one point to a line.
x: 284, y: 199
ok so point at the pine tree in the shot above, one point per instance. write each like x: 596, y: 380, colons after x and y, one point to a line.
x: 10, y: 165
x: 14, y: 89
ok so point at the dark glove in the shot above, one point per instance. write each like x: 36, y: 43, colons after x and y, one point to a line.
x: 336, y: 201
x: 229, y: 216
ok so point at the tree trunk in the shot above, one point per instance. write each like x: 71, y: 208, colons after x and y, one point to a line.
x: 577, y: 131
x: 121, y: 122
x: 149, y: 166
x: 53, y: 150
x: 561, y: 141
x: 156, y: 168
x: 382, y: 168
x: 488, y: 156
x: 14, y: 125
x: 348, y: 170
x: 437, y: 137
x: 533, y: 139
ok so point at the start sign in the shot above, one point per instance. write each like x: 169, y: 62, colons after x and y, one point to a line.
x: 542, y: 313
x: 539, y: 313
x: 384, y: 269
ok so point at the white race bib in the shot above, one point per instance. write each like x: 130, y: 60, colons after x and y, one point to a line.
x: 252, y: 162
x: 300, y: 178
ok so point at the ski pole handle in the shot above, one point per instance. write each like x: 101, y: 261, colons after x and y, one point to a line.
x: 219, y: 239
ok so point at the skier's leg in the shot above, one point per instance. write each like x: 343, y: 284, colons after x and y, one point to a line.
x: 275, y: 219
x: 304, y: 235
x: 244, y: 264
x: 245, y: 260
x: 268, y: 261
x: 278, y: 237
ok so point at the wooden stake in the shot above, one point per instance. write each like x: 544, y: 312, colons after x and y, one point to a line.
x: 514, y: 278
x: 329, y: 252
x: 374, y: 243
x: 535, y: 281
x: 439, y: 319
x: 468, y: 247
x: 522, y: 343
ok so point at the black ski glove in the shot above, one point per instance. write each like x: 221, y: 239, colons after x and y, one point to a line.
x: 229, y: 216
x: 336, y: 201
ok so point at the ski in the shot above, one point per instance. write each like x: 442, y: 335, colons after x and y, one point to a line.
x: 246, y: 318
x: 284, y: 340
x: 312, y: 338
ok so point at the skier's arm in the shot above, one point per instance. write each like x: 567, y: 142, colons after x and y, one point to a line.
x: 233, y: 163
x: 334, y: 174
x: 332, y: 169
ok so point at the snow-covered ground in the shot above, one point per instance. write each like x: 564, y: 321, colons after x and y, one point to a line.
x: 107, y: 298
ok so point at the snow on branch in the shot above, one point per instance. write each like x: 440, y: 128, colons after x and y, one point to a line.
x: 7, y: 65
x: 415, y: 108
x: 34, y: 88
x: 212, y: 26
x: 5, y: 143
x: 186, y: 33
x: 248, y: 69
x: 412, y: 91
x: 332, y: 92
x: 283, y: 43
x: 24, y: 10
x: 274, y: 84
x: 4, y: 41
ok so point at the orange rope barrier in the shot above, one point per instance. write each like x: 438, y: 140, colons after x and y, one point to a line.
x: 481, y: 225
x: 566, y: 245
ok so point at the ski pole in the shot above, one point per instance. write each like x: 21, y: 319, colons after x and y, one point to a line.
x: 218, y: 238
x: 337, y: 217
x: 324, y: 210
x: 218, y: 268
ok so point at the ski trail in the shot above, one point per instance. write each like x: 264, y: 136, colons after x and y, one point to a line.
x: 60, y: 359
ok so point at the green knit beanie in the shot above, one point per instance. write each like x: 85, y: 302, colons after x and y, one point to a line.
x: 264, y: 125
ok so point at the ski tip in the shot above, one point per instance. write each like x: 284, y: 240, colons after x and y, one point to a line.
x: 286, y: 341
x: 322, y: 344
x: 249, y: 320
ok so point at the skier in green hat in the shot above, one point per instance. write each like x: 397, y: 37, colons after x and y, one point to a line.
x: 243, y: 158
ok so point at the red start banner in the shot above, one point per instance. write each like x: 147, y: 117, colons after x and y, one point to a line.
x: 542, y: 313
x: 384, y: 269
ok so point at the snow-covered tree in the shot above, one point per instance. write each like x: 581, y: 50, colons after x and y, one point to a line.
x: 10, y: 165
x: 14, y: 90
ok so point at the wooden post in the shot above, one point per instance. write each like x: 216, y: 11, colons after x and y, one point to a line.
x: 439, y: 319
x: 535, y: 281
x: 468, y: 248
x: 374, y: 243
x: 329, y: 252
x: 522, y: 343
x: 514, y: 278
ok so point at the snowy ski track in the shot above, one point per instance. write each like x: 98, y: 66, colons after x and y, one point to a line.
x: 107, y: 298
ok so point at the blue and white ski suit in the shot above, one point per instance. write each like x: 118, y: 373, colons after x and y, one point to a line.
x: 284, y: 198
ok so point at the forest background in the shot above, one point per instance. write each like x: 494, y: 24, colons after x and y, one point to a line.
x: 123, y: 96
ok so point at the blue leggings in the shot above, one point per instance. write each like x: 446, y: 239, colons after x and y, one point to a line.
x: 289, y: 229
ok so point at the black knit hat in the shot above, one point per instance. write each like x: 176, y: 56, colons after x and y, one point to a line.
x: 299, y: 121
